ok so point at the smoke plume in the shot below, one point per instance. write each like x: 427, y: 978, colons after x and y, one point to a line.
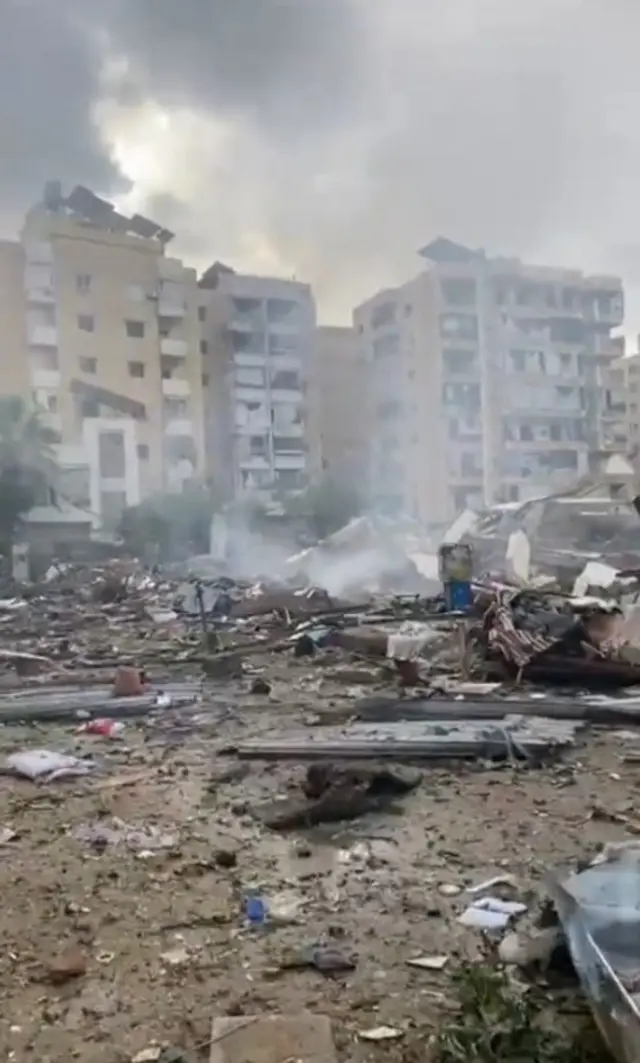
x: 331, y: 138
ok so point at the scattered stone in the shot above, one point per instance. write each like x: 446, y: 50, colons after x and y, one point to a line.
x: 128, y: 682
x: 225, y: 858
x: 325, y: 959
x: 381, y: 1033
x: 260, y: 686
x: 448, y: 889
x: 68, y: 964
x: 176, y: 957
x: 429, y: 963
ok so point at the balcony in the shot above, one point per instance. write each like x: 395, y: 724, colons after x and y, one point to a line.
x: 40, y: 294
x: 176, y: 388
x: 289, y: 461
x: 45, y: 378
x: 247, y: 393
x: 43, y: 336
x: 174, y: 348
x: 247, y: 360
x: 286, y: 395
x: 291, y: 431
x: 172, y: 308
x: 181, y: 426
x: 285, y: 361
x: 254, y: 463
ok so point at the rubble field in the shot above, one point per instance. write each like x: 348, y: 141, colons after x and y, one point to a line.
x: 266, y: 822
x: 119, y: 943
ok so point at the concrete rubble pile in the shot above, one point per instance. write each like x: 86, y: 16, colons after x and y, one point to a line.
x: 197, y: 740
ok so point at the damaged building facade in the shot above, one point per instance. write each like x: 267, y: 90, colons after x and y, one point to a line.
x: 498, y: 368
x: 622, y: 407
x: 258, y: 335
x: 101, y: 328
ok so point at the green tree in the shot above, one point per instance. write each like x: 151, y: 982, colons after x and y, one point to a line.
x: 27, y: 462
x: 173, y: 524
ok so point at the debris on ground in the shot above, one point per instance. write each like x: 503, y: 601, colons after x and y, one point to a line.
x: 334, y: 793
x: 328, y: 771
x: 272, y: 1039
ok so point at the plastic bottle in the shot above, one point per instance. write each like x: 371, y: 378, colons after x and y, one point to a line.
x: 255, y: 909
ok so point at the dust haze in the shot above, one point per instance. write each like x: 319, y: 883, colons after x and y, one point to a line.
x: 328, y: 139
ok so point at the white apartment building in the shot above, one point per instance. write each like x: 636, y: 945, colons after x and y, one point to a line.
x: 258, y: 336
x: 488, y: 380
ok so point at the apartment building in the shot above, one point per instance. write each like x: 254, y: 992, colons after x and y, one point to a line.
x: 104, y: 333
x: 491, y: 380
x: 622, y: 406
x: 257, y: 342
x: 338, y: 407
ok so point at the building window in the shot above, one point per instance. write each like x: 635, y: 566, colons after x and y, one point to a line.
x: 86, y: 322
x: 52, y: 403
x: 204, y: 347
x: 83, y: 283
x: 136, y: 369
x: 459, y: 361
x: 88, y: 365
x: 134, y: 329
x: 202, y: 313
x: 458, y: 291
x: 143, y: 451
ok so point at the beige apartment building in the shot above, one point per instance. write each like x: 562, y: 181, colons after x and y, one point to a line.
x: 101, y: 327
x: 622, y: 410
x: 338, y: 407
x: 489, y: 380
x: 258, y: 336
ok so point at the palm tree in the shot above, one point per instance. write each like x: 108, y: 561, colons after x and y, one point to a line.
x: 27, y: 462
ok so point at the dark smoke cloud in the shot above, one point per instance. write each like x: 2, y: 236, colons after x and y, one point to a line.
x: 361, y: 128
x: 48, y: 85
x: 281, y: 63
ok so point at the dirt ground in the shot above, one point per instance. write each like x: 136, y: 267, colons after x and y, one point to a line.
x: 160, y: 936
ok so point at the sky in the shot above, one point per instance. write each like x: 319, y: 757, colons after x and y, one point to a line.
x: 330, y: 139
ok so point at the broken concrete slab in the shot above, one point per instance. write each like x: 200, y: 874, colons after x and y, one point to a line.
x: 305, y: 1038
x: 513, y: 738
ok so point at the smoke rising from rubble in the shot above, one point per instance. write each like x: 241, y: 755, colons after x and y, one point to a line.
x: 330, y: 138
